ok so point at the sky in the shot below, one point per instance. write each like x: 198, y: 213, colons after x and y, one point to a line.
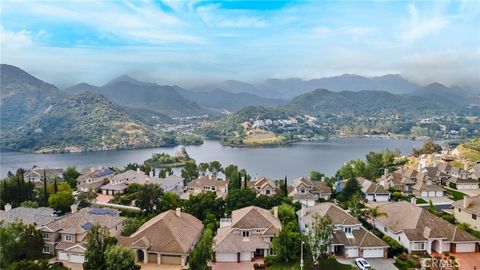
x: 195, y: 42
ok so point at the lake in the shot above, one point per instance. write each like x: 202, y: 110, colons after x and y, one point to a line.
x: 292, y: 160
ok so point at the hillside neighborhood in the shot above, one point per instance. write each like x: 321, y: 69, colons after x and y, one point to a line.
x: 221, y: 218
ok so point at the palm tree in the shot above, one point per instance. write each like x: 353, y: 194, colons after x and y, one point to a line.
x: 374, y: 213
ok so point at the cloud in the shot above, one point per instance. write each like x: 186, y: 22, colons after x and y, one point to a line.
x: 359, y: 32
x: 213, y: 16
x: 15, y: 40
x: 418, y: 27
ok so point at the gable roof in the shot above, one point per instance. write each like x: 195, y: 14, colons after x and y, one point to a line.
x: 337, y: 214
x: 370, y: 187
x: 473, y: 205
x: 39, y: 216
x: 254, y: 217
x: 207, y: 181
x: 167, y: 233
x: 419, y: 224
x: 78, y: 222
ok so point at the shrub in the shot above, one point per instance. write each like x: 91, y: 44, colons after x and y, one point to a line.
x: 259, y: 266
x: 269, y: 260
x: 452, y: 185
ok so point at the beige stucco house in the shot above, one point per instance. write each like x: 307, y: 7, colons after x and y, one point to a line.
x: 468, y: 211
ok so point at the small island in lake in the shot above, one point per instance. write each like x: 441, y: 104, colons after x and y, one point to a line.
x: 162, y: 160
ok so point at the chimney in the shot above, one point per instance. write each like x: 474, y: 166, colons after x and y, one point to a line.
x: 275, y: 211
x: 92, y: 169
x: 138, y: 169
x: 385, y: 173
x: 466, y: 201
x: 74, y: 208
x: 323, y: 179
x: 243, y: 182
x: 151, y: 173
x: 8, y: 207
x: 465, y: 166
x: 210, y: 177
x: 178, y: 212
x: 302, y: 211
x: 413, y: 201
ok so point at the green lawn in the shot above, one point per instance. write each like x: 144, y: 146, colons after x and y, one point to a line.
x: 457, y: 195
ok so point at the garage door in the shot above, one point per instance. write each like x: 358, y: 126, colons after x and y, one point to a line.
x: 352, y: 252
x: 76, y: 258
x: 465, y: 247
x: 226, y: 257
x: 152, y: 257
x: 177, y: 260
x: 62, y: 256
x: 245, y: 256
x: 373, y: 253
x: 431, y: 194
x: 369, y: 198
x: 382, y: 198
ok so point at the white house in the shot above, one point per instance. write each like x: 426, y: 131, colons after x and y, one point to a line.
x: 418, y: 230
x: 350, y: 239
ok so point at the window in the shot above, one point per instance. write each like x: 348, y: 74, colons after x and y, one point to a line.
x: 474, y: 217
x: 302, y: 190
x: 385, y: 229
x: 46, y: 249
x: 68, y: 237
x: 212, y: 188
x: 418, y: 246
x: 459, y: 210
x: 246, y: 233
x: 267, y: 191
x: 46, y: 235
x: 259, y: 230
x: 348, y: 230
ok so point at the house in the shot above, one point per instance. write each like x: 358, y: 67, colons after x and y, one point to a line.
x: 426, y: 187
x: 468, y: 211
x: 38, y: 216
x: 401, y: 179
x: 36, y: 174
x: 93, y: 179
x: 206, y: 184
x: 350, y: 239
x: 171, y: 183
x: 118, y: 183
x: 420, y: 231
x: 167, y: 238
x: 263, y: 186
x: 475, y: 171
x: 247, y: 234
x: 373, y: 191
x: 463, y: 183
x: 66, y: 236
x: 307, y: 192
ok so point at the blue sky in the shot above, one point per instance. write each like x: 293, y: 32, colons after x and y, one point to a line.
x: 194, y: 42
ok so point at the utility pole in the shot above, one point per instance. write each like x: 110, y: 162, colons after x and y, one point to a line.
x: 301, y: 256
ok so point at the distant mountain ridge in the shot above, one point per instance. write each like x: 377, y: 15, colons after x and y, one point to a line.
x: 37, y: 116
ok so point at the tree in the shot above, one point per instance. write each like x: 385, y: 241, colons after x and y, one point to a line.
x: 70, y: 175
x: 203, y: 168
x: 240, y: 198
x: 98, y: 240
x: 55, y: 186
x: 132, y: 224
x: 354, y: 204
x: 36, y: 265
x: 286, y: 243
x: 169, y: 201
x: 286, y: 213
x: 190, y: 171
x: 374, y: 213
x: 120, y: 258
x: 429, y: 147
x: 29, y: 204
x: 204, y: 203
x: 148, y: 198
x: 19, y: 242
x: 45, y: 193
x: 61, y: 201
x: 164, y: 172
x: 316, y: 175
x: 214, y: 168
x: 203, y: 252
x: 349, y: 190
x: 319, y: 235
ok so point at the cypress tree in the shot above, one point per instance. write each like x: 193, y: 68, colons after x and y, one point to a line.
x: 285, y: 186
x: 45, y: 192
x: 55, y: 187
x: 5, y: 197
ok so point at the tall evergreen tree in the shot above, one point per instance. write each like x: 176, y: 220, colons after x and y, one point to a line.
x: 285, y: 186
x: 55, y: 186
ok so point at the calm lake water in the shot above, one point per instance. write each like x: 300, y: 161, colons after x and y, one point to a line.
x: 275, y: 162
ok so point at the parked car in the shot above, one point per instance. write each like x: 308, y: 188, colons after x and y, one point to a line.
x: 362, y: 264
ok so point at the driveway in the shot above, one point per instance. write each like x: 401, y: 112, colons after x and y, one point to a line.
x: 232, y: 266
x: 377, y: 264
x: 467, y: 261
x: 154, y: 266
